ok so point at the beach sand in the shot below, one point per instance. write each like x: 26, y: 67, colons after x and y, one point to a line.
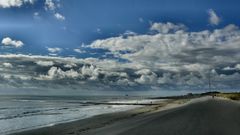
x: 83, y: 126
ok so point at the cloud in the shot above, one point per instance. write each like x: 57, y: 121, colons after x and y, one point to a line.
x: 54, y: 50
x: 236, y: 67
x: 79, y: 50
x: 185, y: 56
x: 172, y: 60
x: 50, y: 5
x: 10, y: 42
x: 58, y: 73
x: 129, y: 33
x: 214, y: 19
x: 36, y: 15
x: 7, y: 65
x: 166, y: 27
x: 35, y: 71
x: 45, y: 63
x: 60, y: 17
x: 146, y: 77
x: 14, y: 3
x: 167, y: 50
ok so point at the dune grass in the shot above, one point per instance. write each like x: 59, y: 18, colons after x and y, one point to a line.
x: 232, y: 96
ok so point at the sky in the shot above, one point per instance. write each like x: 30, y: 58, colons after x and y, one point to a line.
x: 141, y: 47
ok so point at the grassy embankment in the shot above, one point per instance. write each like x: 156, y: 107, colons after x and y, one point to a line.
x: 232, y: 96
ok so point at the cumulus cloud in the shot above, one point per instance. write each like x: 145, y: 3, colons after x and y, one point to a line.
x: 214, y: 19
x: 236, y: 67
x: 146, y: 77
x: 58, y: 73
x: 167, y: 50
x: 50, y: 5
x: 54, y: 50
x: 65, y: 72
x: 59, y: 16
x: 14, y: 3
x: 44, y: 63
x: 173, y: 59
x: 10, y: 42
x: 7, y: 65
x: 177, y: 53
x: 166, y: 27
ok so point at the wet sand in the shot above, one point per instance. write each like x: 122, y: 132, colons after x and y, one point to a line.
x: 203, y: 116
x: 100, y: 121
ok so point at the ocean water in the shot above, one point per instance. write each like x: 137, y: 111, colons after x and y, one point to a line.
x: 19, y: 113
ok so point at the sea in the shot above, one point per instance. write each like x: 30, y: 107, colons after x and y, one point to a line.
x: 20, y: 113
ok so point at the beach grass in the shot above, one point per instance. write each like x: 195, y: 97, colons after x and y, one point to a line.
x: 232, y: 96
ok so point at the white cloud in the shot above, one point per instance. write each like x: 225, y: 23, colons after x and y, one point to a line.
x: 36, y: 14
x: 174, y: 59
x: 59, y: 16
x: 129, y: 33
x: 58, y: 73
x: 54, y: 50
x: 237, y: 66
x: 178, y: 58
x: 14, y: 3
x: 147, y: 77
x: 166, y: 27
x: 79, y: 50
x: 70, y: 65
x: 214, y: 19
x: 8, y: 65
x: 45, y: 63
x: 168, y: 49
x: 55, y: 73
x: 10, y: 42
x: 228, y: 68
x: 50, y: 5
x: 91, y: 71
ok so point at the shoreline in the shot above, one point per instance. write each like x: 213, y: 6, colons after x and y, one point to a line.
x: 99, y: 121
x: 62, y: 113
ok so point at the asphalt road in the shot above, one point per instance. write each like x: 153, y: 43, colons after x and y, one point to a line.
x: 207, y: 117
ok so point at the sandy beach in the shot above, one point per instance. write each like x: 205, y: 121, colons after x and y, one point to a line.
x: 182, y: 117
x: 100, y: 121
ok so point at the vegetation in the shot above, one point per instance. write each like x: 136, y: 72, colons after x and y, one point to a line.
x: 232, y: 96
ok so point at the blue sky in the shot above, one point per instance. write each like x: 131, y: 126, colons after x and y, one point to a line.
x: 88, y: 20
x: 119, y: 33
